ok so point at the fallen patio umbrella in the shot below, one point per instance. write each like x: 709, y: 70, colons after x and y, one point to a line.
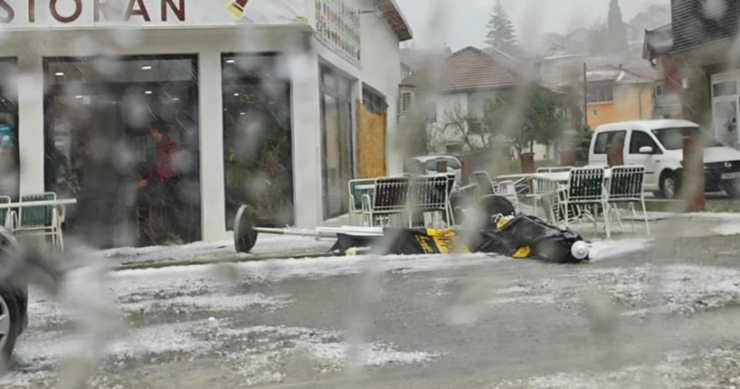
x: 519, y: 237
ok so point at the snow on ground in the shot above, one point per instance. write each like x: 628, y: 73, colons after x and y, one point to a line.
x: 678, y: 370
x: 260, y: 354
x: 636, y: 291
x: 606, y: 249
x: 266, y: 245
x: 319, y: 351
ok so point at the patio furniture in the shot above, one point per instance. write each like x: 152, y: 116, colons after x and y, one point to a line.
x: 586, y: 189
x: 357, y: 189
x: 485, y: 185
x: 44, y: 219
x: 387, y: 199
x: 507, y: 190
x: 626, y: 185
x: 557, y: 169
x: 431, y: 194
x: 7, y: 216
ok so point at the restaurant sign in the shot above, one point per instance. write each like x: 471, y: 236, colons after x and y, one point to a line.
x: 144, y: 13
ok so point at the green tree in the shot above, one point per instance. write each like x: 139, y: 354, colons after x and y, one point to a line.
x: 616, y: 28
x: 501, y: 34
x: 540, y: 120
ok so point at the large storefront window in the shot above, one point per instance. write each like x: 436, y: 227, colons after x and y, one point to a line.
x: 9, y: 160
x: 258, y: 142
x: 122, y: 138
x: 337, y: 151
x: 725, y: 106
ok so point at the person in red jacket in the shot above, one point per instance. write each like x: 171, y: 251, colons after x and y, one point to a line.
x: 165, y: 176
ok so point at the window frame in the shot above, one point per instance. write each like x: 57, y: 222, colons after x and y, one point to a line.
x: 654, y: 145
x: 610, y: 135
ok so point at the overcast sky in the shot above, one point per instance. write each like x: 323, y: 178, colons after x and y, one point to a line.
x: 461, y: 23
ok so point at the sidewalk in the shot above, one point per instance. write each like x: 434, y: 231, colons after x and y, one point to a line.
x: 662, y: 226
x: 267, y: 247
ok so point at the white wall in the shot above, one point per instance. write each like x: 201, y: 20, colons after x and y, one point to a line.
x: 31, y: 46
x: 380, y: 69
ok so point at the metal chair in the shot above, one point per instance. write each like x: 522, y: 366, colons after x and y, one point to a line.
x: 7, y: 216
x: 43, y: 220
x: 388, y: 198
x: 485, y: 185
x: 626, y: 185
x: 431, y: 194
x: 555, y: 169
x: 543, y: 189
x: 586, y: 189
x: 507, y: 190
x: 357, y: 189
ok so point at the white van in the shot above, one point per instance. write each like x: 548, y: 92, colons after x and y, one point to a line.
x: 658, y: 145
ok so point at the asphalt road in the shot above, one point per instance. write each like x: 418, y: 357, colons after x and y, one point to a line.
x: 641, y: 315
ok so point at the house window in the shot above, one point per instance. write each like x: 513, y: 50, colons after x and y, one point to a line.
x: 373, y: 101
x: 725, y: 89
x: 659, y: 90
x: 600, y: 94
x: 406, y: 101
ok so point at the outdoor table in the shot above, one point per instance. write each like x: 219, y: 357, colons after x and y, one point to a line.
x: 45, y: 203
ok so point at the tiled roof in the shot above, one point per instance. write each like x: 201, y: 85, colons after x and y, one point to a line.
x: 395, y: 18
x: 622, y: 76
x: 467, y: 69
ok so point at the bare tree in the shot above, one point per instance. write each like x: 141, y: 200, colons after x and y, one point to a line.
x: 468, y: 128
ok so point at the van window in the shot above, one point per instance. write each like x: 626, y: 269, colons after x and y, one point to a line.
x: 641, y: 139
x: 606, y: 139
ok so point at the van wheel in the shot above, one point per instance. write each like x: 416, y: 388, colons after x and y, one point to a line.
x: 670, y: 184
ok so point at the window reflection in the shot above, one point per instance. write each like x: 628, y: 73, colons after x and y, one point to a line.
x: 258, y: 142
x: 9, y: 156
x: 104, y: 118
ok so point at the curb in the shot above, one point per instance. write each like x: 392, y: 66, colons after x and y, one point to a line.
x: 236, y: 259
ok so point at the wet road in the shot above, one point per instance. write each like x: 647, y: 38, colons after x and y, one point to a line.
x: 645, y: 314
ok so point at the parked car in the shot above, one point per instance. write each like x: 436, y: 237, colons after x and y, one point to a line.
x: 13, y: 300
x: 658, y: 145
x: 430, y: 165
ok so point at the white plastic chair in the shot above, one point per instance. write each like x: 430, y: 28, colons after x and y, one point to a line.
x: 358, y: 188
x: 431, y: 194
x: 587, y: 189
x: 388, y: 198
x: 507, y: 190
x: 43, y: 220
x: 626, y: 185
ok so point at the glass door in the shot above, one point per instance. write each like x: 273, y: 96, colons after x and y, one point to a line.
x: 337, y: 143
x: 258, y: 139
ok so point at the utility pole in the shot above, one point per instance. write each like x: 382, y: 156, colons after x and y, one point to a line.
x: 585, y: 95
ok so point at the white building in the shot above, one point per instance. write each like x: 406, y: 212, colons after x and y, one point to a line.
x: 261, y: 98
x: 453, y: 94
